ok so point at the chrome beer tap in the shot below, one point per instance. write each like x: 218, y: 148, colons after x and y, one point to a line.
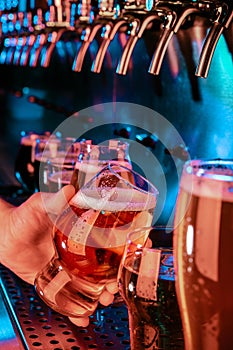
x: 45, y: 23
x: 135, y: 35
x: 142, y: 20
x: 178, y: 13
x: 16, y: 25
x: 24, y: 29
x: 58, y: 24
x: 30, y: 42
x: 107, y: 11
x: 223, y: 16
x: 124, y: 20
x: 9, y: 37
x: 83, y: 15
x: 40, y: 38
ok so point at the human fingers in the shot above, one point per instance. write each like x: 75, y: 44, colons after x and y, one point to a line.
x: 148, y: 243
x: 107, y: 296
x: 80, y: 321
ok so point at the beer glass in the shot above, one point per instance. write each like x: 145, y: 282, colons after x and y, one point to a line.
x: 90, y: 236
x: 25, y: 163
x: 146, y: 280
x: 58, y: 156
x: 203, y: 241
x: 93, y: 158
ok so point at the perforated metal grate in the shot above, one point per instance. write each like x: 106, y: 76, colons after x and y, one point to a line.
x: 44, y: 329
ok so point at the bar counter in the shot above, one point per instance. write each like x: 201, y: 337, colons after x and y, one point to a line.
x: 26, y: 322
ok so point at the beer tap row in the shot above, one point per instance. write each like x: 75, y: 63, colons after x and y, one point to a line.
x: 30, y: 34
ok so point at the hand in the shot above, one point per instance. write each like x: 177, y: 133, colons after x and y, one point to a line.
x: 26, y: 239
x: 27, y: 242
x: 106, y: 298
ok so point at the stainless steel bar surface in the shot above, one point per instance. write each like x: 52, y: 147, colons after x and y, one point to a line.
x: 10, y: 336
x: 37, y: 327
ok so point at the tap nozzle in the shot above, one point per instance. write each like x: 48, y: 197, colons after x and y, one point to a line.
x: 53, y: 39
x: 89, y: 35
x: 174, y: 15
x: 163, y: 41
x: 57, y: 24
x: 107, y: 11
x: 109, y: 35
x: 24, y: 56
x: 136, y: 33
x: 224, y: 16
x: 40, y: 42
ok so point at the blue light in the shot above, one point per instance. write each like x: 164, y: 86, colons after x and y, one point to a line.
x: 26, y: 90
x: 149, y: 5
x: 22, y: 6
x: 60, y: 49
x: 3, y: 57
x: 43, y: 55
x: 11, y: 16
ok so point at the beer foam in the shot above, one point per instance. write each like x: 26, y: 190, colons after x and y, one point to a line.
x: 60, y: 160
x: 209, y: 185
x: 111, y: 199
x: 89, y: 167
x: 94, y: 166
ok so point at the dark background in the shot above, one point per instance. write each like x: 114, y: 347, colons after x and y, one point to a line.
x: 200, y: 109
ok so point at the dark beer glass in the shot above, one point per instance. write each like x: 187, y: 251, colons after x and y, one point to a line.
x: 203, y: 241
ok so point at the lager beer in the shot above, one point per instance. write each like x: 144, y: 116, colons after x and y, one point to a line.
x: 90, y: 236
x: 203, y: 254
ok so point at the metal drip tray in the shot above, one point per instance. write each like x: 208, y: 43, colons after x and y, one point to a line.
x: 36, y: 327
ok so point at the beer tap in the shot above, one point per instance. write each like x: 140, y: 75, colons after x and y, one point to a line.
x: 107, y: 11
x: 39, y: 40
x: 30, y: 42
x: 44, y: 21
x: 108, y: 35
x: 82, y: 17
x: 24, y: 31
x: 15, y: 26
x: 223, y: 16
x: 10, y: 37
x: 178, y: 13
x: 135, y: 35
x: 30, y: 39
x: 6, y: 35
x: 125, y: 20
x: 118, y: 22
x: 142, y: 20
x: 59, y: 23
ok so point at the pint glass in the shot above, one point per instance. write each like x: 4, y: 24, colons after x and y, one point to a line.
x: 90, y: 236
x: 147, y: 284
x: 93, y: 158
x: 203, y: 241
